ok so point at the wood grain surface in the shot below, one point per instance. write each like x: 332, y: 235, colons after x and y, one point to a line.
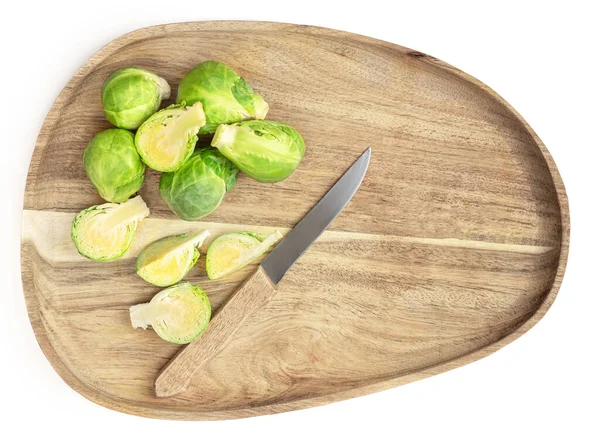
x: 454, y: 246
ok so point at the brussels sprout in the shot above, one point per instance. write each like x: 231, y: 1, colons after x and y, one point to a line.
x: 105, y: 232
x: 130, y: 95
x: 198, y: 187
x: 167, y: 260
x: 232, y: 251
x: 167, y: 139
x: 265, y: 150
x: 113, y: 165
x: 226, y: 97
x: 178, y: 314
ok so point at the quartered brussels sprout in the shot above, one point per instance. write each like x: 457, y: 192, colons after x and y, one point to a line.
x: 113, y: 165
x: 131, y: 95
x: 178, y: 314
x: 167, y: 139
x: 105, y: 232
x: 265, y: 150
x: 198, y: 187
x: 226, y: 97
x: 232, y: 251
x: 167, y: 260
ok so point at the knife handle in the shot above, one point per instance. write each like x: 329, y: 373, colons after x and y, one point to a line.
x: 252, y: 295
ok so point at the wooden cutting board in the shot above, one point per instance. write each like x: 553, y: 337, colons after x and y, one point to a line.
x: 454, y: 246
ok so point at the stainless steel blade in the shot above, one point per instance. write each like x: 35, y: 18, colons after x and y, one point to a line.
x: 316, y: 220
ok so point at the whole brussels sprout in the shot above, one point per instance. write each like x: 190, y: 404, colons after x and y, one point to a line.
x: 198, y: 187
x: 167, y: 139
x: 265, y: 150
x: 167, y: 260
x: 105, y: 232
x: 130, y: 95
x: 232, y: 251
x: 178, y: 314
x: 226, y: 97
x: 113, y: 165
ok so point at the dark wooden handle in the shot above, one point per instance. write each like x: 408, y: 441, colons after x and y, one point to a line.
x: 253, y: 294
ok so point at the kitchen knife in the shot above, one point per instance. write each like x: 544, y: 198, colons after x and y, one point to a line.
x: 260, y: 288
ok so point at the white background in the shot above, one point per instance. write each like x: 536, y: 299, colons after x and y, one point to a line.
x: 542, y: 388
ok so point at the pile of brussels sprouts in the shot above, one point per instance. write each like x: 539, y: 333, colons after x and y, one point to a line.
x: 211, y: 99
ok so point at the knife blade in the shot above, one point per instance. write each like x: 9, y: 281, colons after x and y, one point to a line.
x: 260, y: 288
x: 316, y: 220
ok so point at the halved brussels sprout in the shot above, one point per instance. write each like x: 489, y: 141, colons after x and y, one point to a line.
x: 105, y: 232
x: 130, y: 95
x: 226, y: 97
x: 232, y: 251
x: 178, y: 314
x: 167, y: 260
x: 265, y: 150
x: 167, y: 139
x: 198, y: 187
x: 113, y: 165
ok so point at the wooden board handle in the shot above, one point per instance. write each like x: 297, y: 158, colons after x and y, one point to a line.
x: 252, y: 295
